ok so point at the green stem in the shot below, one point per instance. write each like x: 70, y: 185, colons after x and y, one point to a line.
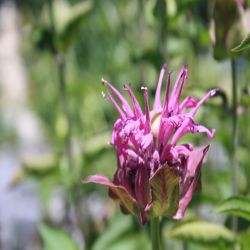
x: 65, y: 107
x: 155, y: 233
x: 234, y: 137
x: 141, y: 37
x: 164, y: 30
x: 60, y: 63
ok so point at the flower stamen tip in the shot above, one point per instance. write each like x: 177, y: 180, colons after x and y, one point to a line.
x: 214, y: 91
x: 103, y: 81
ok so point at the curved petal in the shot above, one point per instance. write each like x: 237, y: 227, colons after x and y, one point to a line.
x: 191, y: 179
x: 157, y: 102
x: 125, y: 199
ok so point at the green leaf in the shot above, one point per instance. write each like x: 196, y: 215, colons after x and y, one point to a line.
x: 202, y: 233
x: 116, y: 230
x: 72, y: 27
x: 56, y: 239
x: 165, y: 192
x: 235, y: 205
x: 225, y: 32
x: 245, y: 44
x: 121, y: 234
x: 244, y: 240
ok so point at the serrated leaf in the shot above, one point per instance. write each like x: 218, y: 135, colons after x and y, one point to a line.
x: 165, y: 192
x: 245, y: 44
x: 202, y: 233
x: 56, y: 239
x: 235, y: 205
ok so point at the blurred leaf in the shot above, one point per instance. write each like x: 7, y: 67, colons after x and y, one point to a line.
x: 36, y: 167
x: 202, y: 233
x: 71, y: 28
x: 96, y: 143
x: 245, y: 44
x: 42, y: 38
x: 39, y: 163
x: 62, y: 126
x: 244, y: 240
x: 56, y: 239
x: 225, y: 16
x: 149, y: 55
x: 136, y: 241
x: 17, y: 177
x: 114, y: 232
x: 236, y: 206
x: 116, y: 192
x: 120, y: 235
x: 160, y: 9
x: 165, y: 192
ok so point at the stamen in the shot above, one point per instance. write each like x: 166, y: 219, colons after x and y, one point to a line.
x: 123, y: 101
x: 116, y: 106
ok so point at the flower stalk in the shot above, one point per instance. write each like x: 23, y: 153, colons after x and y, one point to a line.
x: 234, y: 225
x: 155, y: 233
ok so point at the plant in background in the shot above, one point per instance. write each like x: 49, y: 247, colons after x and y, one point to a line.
x: 156, y: 175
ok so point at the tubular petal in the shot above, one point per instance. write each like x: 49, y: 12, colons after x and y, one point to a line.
x: 189, y: 102
x: 177, y: 89
x: 165, y: 105
x: 197, y: 128
x: 123, y: 101
x: 147, y: 122
x: 116, y: 106
x: 137, y: 108
x: 157, y: 102
x: 209, y: 94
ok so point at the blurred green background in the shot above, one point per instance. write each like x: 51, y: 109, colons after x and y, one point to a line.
x: 55, y: 125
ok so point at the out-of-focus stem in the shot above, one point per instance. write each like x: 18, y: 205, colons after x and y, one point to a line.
x: 155, y: 233
x: 185, y: 245
x: 164, y: 31
x: 141, y: 26
x: 65, y: 108
x: 234, y: 225
x: 60, y: 63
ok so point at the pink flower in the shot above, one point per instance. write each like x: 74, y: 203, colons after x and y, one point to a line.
x: 155, y: 175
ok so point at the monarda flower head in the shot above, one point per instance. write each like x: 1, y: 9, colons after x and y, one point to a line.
x: 155, y: 175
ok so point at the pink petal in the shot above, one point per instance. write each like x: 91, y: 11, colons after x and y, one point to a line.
x: 190, y: 180
x: 165, y: 104
x: 197, y: 128
x: 175, y: 96
x: 147, y: 122
x: 157, y: 102
x: 123, y: 101
x: 116, y: 106
x: 209, y: 94
x: 142, y: 189
x: 99, y: 179
x: 183, y: 203
x: 195, y: 160
x: 189, y: 102
x: 137, y: 108
x: 182, y: 130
